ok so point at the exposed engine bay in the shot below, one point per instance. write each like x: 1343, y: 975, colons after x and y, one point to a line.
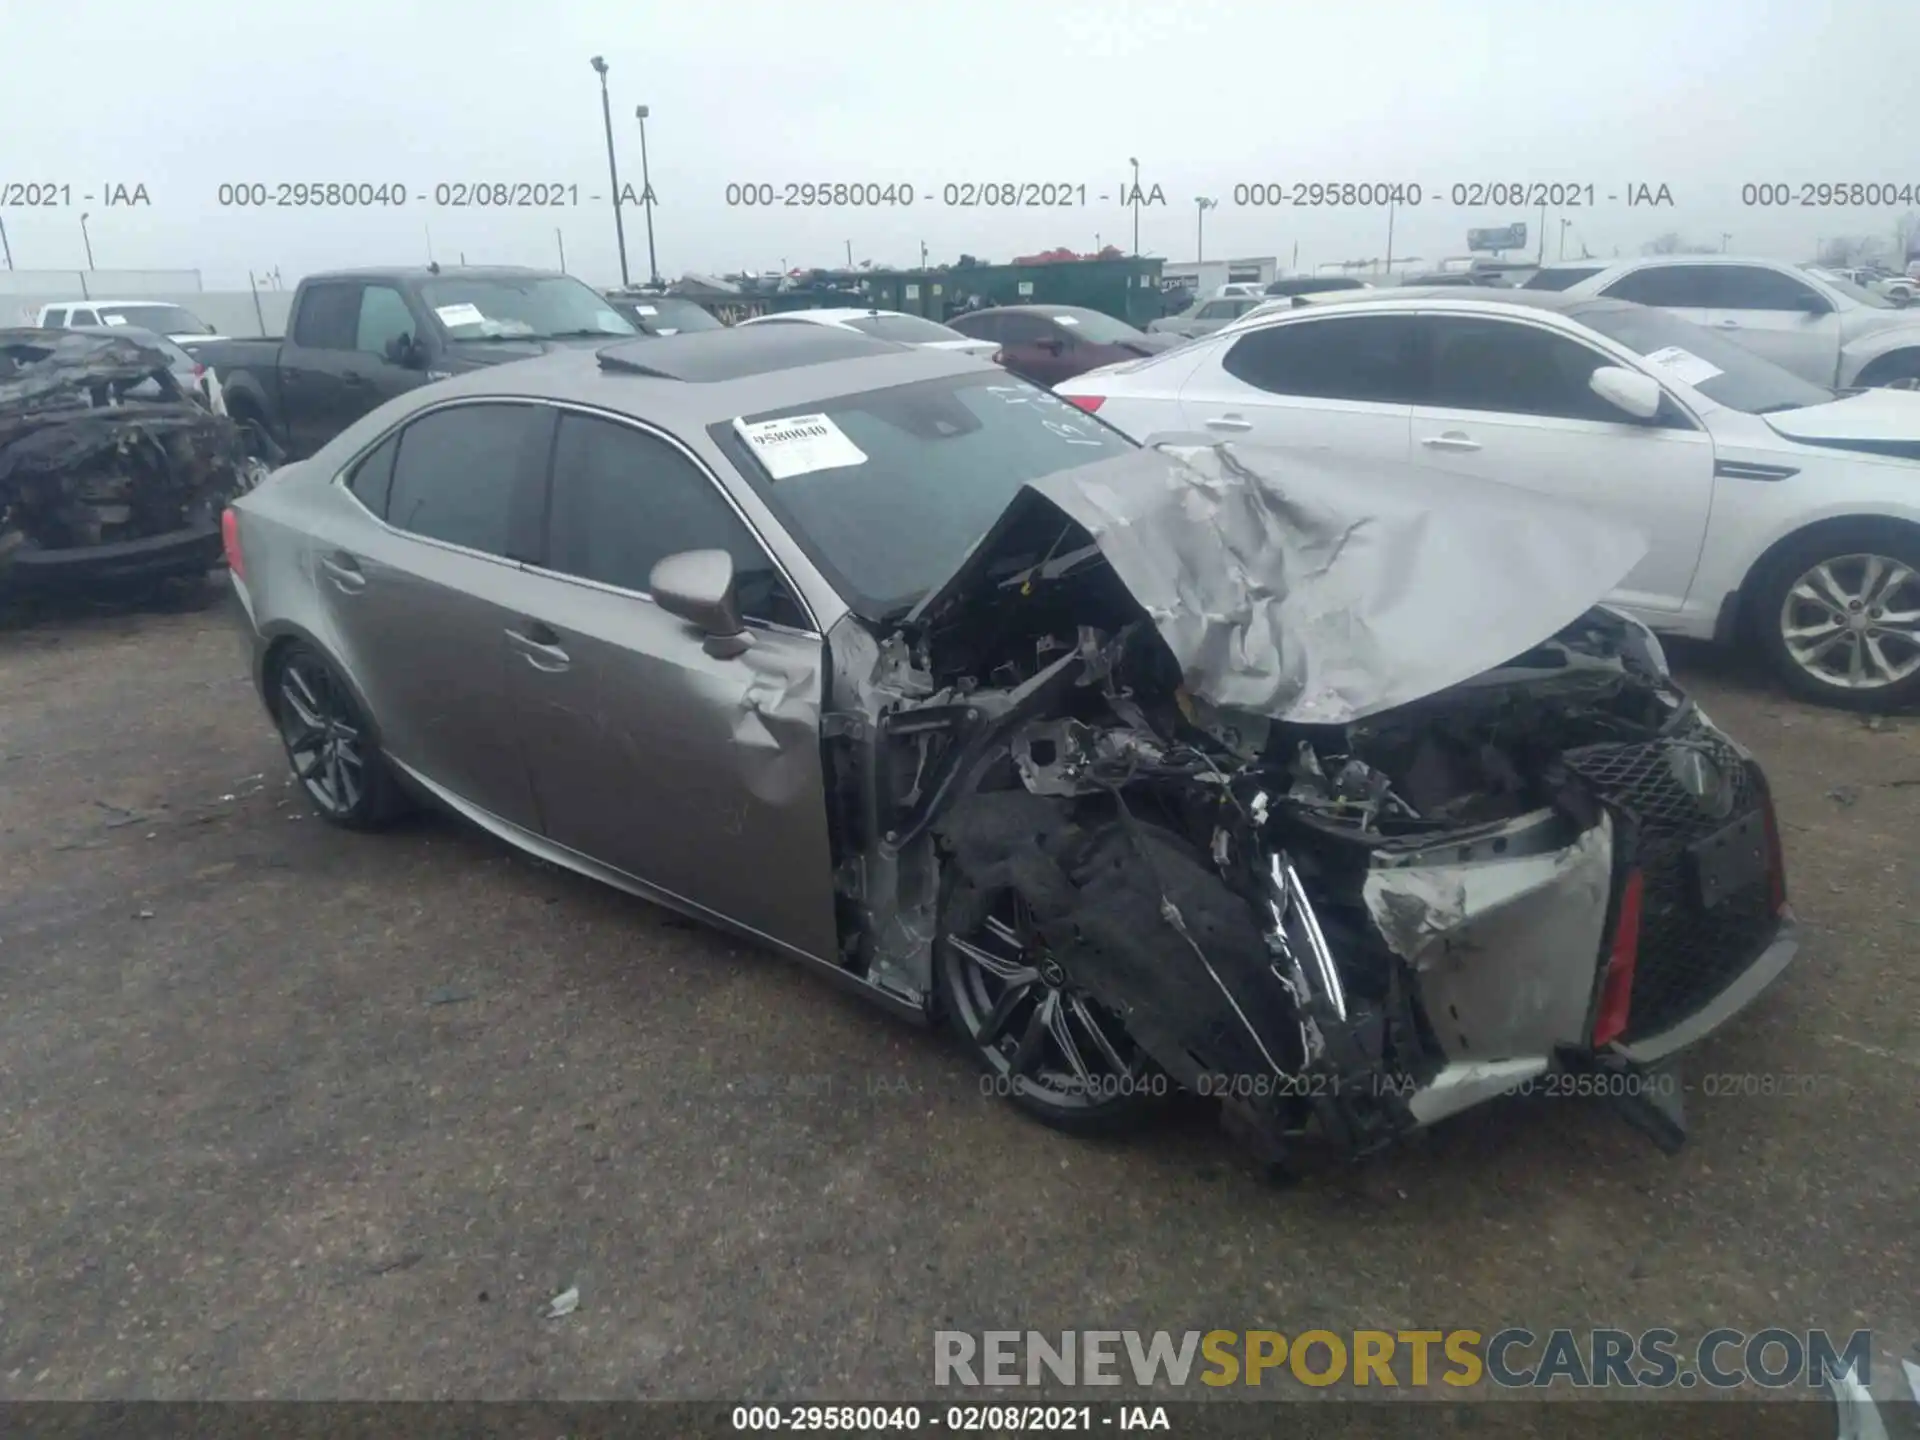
x: 1347, y: 926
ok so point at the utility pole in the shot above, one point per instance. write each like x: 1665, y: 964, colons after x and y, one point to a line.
x: 1202, y: 205
x: 86, y: 238
x: 561, y: 241
x: 613, y: 170
x: 5, y: 244
x: 1296, y: 247
x: 849, y: 254
x: 1541, y: 258
x: 646, y: 194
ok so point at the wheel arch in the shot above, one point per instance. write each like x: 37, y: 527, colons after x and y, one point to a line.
x: 1904, y: 361
x: 284, y: 636
x: 1762, y: 568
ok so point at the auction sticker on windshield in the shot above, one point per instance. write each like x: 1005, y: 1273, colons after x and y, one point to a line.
x: 799, y: 444
x: 461, y: 314
x: 1683, y: 365
x: 1066, y: 319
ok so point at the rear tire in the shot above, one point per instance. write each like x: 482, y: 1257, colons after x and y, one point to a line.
x: 1838, y: 616
x: 330, y: 744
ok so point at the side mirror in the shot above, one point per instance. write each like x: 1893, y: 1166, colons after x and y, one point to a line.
x: 697, y: 585
x: 407, y: 351
x: 1812, y: 304
x: 1052, y: 344
x: 1628, y: 390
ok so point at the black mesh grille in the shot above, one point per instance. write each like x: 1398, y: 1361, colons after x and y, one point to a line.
x: 1688, y: 952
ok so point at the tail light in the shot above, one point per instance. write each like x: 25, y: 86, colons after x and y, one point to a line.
x: 1616, y: 990
x: 1088, y: 403
x: 230, y: 541
x: 1776, y: 864
x: 999, y: 357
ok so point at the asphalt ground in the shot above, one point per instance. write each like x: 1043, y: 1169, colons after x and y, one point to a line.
x: 292, y: 1113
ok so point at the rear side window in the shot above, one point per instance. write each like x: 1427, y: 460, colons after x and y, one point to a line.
x: 372, y: 478
x: 1687, y: 287
x: 623, y: 500
x: 1558, y: 279
x: 329, y: 317
x: 1363, y: 357
x: 56, y: 319
x: 463, y: 475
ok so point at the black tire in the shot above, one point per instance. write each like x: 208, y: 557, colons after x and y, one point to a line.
x: 330, y: 745
x: 1898, y: 371
x: 1792, y: 597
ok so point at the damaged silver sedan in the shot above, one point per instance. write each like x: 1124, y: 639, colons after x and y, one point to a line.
x: 1209, y: 768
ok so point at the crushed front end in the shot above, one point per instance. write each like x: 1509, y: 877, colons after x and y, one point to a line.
x: 1344, y: 911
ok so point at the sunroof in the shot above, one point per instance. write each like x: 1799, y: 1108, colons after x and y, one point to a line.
x: 713, y: 355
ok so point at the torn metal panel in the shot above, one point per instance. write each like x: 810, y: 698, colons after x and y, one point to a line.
x: 1505, y: 950
x: 1307, y: 589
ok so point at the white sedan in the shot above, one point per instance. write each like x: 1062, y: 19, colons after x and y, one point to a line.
x: 1818, y: 325
x: 1771, y: 507
x: 892, y: 325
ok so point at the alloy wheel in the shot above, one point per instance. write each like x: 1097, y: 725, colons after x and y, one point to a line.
x: 322, y: 732
x: 1048, y: 1040
x: 1853, y: 621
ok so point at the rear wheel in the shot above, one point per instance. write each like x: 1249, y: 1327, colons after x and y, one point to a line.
x: 329, y: 743
x: 1041, y: 1041
x: 1839, y: 617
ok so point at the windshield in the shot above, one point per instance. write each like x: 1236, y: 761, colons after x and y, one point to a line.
x: 907, y: 329
x: 1313, y: 285
x: 665, y: 314
x: 1859, y: 294
x: 161, y: 319
x: 1092, y: 326
x: 538, y: 307
x: 892, y: 491
x: 1742, y: 380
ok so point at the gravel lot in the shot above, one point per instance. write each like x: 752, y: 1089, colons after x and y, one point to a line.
x: 286, y: 1112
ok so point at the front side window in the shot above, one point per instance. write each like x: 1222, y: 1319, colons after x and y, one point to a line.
x: 1682, y: 287
x: 1217, y: 310
x: 460, y: 470
x: 1024, y: 330
x: 1362, y: 357
x: 623, y: 500
x: 384, y: 318
x: 1560, y: 277
x: 56, y: 319
x: 917, y: 474
x: 85, y: 317
x: 1505, y: 366
x: 1755, y: 287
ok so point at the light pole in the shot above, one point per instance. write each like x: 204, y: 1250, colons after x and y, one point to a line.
x: 1201, y: 205
x: 1296, y: 246
x: 1136, y: 204
x: 646, y: 192
x: 1725, y: 236
x: 613, y: 170
x: 561, y: 241
x: 1564, y: 223
x: 85, y: 238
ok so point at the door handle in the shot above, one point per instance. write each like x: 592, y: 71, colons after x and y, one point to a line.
x: 344, y: 571
x: 539, y: 646
x: 1727, y: 324
x: 1229, y: 422
x: 1452, y: 440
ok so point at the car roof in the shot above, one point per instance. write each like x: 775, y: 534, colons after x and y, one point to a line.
x: 1455, y: 297
x: 830, y: 313
x: 94, y: 302
x: 686, y: 382
x: 1054, y: 309
x: 444, y: 272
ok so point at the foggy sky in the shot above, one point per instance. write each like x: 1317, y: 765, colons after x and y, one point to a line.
x: 1699, y: 96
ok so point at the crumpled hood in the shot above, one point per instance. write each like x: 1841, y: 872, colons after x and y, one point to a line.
x: 1887, y: 421
x: 1322, y: 591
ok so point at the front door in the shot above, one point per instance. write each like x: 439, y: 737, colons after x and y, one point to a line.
x: 1509, y: 401
x: 699, y: 775
x: 1778, y: 316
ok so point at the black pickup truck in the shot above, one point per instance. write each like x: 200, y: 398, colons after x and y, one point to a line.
x: 357, y: 338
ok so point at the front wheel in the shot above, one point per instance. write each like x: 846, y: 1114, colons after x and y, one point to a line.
x: 1899, y: 371
x: 1037, y: 1039
x: 1839, y: 617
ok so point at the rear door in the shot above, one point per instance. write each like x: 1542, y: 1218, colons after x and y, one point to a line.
x: 1509, y: 401
x: 1779, y: 316
x: 451, y: 504
x: 698, y: 775
x: 1340, y: 384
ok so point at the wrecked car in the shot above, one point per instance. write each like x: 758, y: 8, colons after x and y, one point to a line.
x: 1211, y: 768
x: 110, y: 471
